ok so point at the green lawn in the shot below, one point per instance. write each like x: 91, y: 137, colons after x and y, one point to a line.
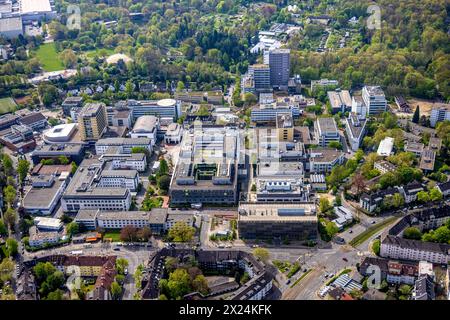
x: 99, y: 53
x: 361, y: 238
x: 113, y: 234
x: 49, y: 58
x: 7, y: 105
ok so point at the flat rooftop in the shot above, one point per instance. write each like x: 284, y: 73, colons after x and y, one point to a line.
x: 327, y: 125
x: 324, y: 154
x: 30, y: 6
x: 279, y: 212
x: 41, y: 197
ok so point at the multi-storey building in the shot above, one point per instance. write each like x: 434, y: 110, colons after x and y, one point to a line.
x: 125, y: 145
x: 267, y: 113
x: 278, y: 220
x: 165, y: 108
x: 92, y: 121
x: 323, y: 160
x: 340, y: 100
x: 207, y: 169
x: 439, y: 114
x: 279, y: 63
x: 374, y: 99
x: 132, y: 161
x: 326, y: 131
x: 355, y: 128
x: 261, y: 76
x: 399, y: 248
x: 87, y: 190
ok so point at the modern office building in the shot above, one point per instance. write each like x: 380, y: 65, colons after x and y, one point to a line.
x: 359, y: 106
x: 89, y: 190
x: 71, y: 102
x: 261, y: 76
x: 355, y: 127
x: 92, y: 121
x: 174, y: 133
x: 285, y: 127
x: 267, y: 113
x: 374, y: 99
x: 279, y: 63
x: 124, y: 145
x: 277, y: 221
x: 326, y: 131
x: 165, y: 108
x: 340, y: 100
x: 146, y: 127
x: 322, y: 160
x: 439, y: 114
x: 207, y: 168
x: 73, y: 152
x: 11, y: 27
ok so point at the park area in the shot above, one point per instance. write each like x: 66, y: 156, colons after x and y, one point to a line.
x: 49, y: 58
x: 7, y: 105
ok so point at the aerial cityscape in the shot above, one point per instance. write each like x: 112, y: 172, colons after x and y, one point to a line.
x: 224, y: 150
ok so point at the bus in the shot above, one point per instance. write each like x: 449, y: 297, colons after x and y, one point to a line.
x: 77, y: 252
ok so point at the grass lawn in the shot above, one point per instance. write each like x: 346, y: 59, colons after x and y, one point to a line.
x: 49, y: 58
x: 7, y: 105
x: 361, y: 238
x: 99, y: 53
x: 112, y: 234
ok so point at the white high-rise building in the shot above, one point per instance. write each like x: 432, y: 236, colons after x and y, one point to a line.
x: 439, y: 114
x: 374, y: 100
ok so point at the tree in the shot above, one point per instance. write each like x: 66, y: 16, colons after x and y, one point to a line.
x: 416, y: 115
x: 121, y: 265
x: 359, y: 182
x: 324, y: 204
x: 6, y: 269
x: 423, y: 196
x: 42, y: 270
x: 359, y: 155
x: 405, y: 289
x: 170, y: 264
x: 331, y: 229
x: 163, y: 168
x: 74, y: 168
x: 376, y: 246
x: 412, y: 233
x: 11, y: 247
x: 7, y: 164
x: 164, y: 183
x: 63, y: 160
x: 10, y: 217
x: 262, y: 254
x: 116, y: 290
x: 181, y: 232
x: 200, y: 284
x: 397, y: 200
x: 435, y: 194
x: 55, y: 295
x: 179, y: 283
x: 22, y: 169
x: 72, y: 228
x: 335, y: 145
x: 441, y: 235
x: 180, y: 86
x: 3, y: 228
x: 144, y: 233
x: 128, y: 233
x: 10, y: 194
x: 68, y: 58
